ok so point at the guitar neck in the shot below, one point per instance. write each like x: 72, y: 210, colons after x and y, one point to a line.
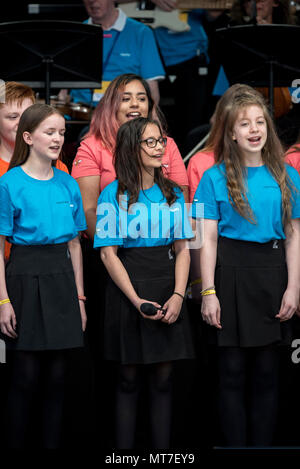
x: 206, y: 4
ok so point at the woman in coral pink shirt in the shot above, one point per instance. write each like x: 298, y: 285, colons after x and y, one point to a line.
x: 292, y: 156
x: 127, y: 97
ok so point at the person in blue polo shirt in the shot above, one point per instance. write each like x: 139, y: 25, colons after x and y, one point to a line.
x: 185, y: 58
x: 128, y: 47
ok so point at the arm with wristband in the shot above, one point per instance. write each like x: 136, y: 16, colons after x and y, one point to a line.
x: 210, y: 309
x: 174, y: 304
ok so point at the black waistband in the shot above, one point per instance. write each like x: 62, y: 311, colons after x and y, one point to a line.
x: 250, y: 254
x: 148, y: 262
x: 39, y: 259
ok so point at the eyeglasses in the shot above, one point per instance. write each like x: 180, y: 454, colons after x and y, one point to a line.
x: 152, y: 142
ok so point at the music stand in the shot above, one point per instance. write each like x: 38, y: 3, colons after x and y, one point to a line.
x: 260, y: 55
x: 51, y: 54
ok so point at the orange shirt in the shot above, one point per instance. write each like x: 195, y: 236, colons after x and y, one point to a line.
x: 199, y: 163
x: 3, y: 169
x: 292, y: 157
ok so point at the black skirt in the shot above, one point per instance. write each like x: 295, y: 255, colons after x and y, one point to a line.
x: 41, y: 287
x: 128, y: 337
x: 250, y: 279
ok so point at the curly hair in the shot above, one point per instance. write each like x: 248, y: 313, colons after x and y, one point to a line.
x: 226, y: 150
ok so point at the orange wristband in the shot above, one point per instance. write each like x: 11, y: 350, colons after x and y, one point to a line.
x: 82, y: 297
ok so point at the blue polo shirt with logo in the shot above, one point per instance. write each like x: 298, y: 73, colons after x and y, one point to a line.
x: 128, y: 47
x: 180, y: 47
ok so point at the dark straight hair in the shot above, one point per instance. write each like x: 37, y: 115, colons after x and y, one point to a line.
x: 128, y: 162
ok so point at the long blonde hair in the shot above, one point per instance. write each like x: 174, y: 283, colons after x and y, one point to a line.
x: 226, y: 150
x: 222, y: 107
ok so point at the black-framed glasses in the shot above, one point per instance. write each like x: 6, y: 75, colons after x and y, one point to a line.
x: 151, y: 142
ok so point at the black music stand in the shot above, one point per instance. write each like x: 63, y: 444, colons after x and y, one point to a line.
x: 260, y: 55
x: 51, y: 54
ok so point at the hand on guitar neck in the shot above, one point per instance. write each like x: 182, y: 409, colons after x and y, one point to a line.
x: 166, y: 14
x: 156, y: 18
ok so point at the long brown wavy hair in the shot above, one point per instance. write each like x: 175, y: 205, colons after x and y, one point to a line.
x: 128, y: 162
x: 31, y: 118
x: 104, y: 125
x: 226, y: 150
x: 222, y: 107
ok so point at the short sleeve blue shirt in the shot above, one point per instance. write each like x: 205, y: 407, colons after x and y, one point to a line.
x: 131, y: 50
x: 148, y: 222
x: 179, y: 47
x: 264, y: 197
x: 40, y: 212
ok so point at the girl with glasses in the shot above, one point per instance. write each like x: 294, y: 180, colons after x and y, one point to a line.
x: 127, y: 98
x: 142, y: 228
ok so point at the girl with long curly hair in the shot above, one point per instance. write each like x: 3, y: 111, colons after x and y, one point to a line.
x: 249, y: 265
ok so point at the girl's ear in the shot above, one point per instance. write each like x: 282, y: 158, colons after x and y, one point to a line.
x: 233, y: 137
x: 27, y: 138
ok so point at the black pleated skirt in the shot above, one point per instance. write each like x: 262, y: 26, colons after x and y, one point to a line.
x: 250, y: 279
x: 41, y: 287
x: 128, y: 337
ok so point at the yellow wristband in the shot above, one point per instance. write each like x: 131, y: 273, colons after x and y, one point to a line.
x: 3, y: 302
x: 195, y: 282
x: 208, y: 292
x: 208, y: 288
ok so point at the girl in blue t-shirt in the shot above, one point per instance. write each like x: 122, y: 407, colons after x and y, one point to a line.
x: 249, y: 264
x: 42, y: 312
x: 141, y: 228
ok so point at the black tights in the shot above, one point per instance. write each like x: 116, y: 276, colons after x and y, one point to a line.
x: 262, y: 363
x: 27, y: 370
x: 128, y: 386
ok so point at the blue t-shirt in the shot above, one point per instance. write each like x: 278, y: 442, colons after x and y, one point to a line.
x: 264, y: 197
x: 40, y: 212
x: 179, y: 47
x: 149, y: 222
x: 132, y: 50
